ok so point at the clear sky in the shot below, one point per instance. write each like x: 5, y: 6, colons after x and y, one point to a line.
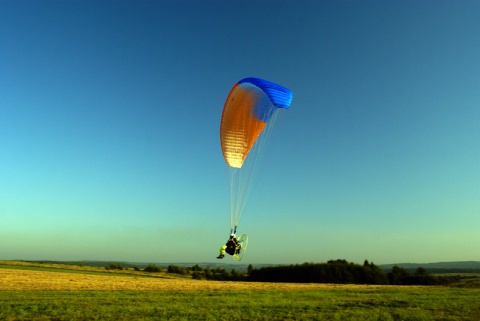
x: 109, y: 130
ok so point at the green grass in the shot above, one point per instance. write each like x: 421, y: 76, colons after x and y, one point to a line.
x: 376, y: 303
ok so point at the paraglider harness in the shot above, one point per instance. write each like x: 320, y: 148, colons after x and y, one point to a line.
x: 233, y: 247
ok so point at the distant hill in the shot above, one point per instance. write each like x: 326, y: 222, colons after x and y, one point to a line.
x: 439, y: 267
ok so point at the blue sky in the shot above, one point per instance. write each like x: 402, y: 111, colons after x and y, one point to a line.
x: 109, y: 129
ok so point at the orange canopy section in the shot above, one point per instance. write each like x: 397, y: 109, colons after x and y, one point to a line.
x: 239, y: 128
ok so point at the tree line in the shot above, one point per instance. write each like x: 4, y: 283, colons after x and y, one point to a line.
x: 343, y: 272
x: 401, y: 276
x: 334, y: 271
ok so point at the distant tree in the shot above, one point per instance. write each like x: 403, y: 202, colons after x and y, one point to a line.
x: 177, y: 269
x: 197, y: 275
x: 225, y: 275
x: 399, y: 276
x: 114, y: 266
x: 422, y: 277
x: 421, y: 272
x: 152, y: 268
x: 196, y: 267
x: 236, y: 276
x: 372, y: 274
x: 208, y: 273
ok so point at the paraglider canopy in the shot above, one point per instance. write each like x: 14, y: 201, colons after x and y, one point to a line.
x: 248, y: 108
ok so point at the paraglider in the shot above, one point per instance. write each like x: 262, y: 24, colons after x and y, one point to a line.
x: 248, y: 117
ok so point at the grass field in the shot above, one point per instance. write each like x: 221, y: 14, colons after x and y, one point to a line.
x: 81, y: 293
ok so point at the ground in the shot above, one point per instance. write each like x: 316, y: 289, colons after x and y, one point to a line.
x: 18, y: 279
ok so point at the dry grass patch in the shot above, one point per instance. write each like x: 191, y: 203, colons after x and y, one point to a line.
x: 17, y: 279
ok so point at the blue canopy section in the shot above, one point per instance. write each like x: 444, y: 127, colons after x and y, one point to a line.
x: 280, y: 96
